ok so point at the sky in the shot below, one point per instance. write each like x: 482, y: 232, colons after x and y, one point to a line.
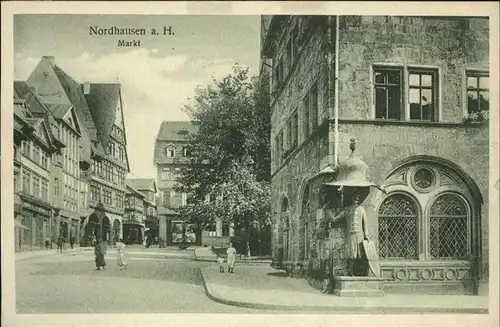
x: 158, y: 78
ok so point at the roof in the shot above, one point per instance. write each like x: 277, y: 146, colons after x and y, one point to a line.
x: 176, y: 130
x: 103, y: 101
x: 34, y: 104
x: 75, y: 94
x: 133, y: 190
x: 142, y: 183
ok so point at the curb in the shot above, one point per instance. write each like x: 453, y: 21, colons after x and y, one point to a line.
x: 45, y: 254
x: 334, y: 309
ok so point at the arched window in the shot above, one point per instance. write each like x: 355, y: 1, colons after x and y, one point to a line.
x: 449, y: 228
x: 398, y: 228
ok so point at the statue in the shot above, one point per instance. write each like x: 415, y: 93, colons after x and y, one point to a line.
x: 354, y: 188
x: 354, y: 218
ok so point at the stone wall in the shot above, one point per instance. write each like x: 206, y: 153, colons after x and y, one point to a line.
x: 451, y: 45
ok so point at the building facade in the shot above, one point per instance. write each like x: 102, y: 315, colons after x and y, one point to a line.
x: 134, y: 222
x: 147, y: 187
x: 171, y: 154
x: 414, y: 93
x: 89, y: 159
x: 34, y: 147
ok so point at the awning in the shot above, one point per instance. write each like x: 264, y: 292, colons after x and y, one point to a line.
x: 18, y: 224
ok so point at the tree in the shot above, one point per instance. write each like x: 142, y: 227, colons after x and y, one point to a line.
x: 230, y: 157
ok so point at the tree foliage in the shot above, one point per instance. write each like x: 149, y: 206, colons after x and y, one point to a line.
x: 229, y: 156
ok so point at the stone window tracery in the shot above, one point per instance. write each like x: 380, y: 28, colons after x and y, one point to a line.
x: 398, y: 228
x: 449, y: 228
x: 426, y: 219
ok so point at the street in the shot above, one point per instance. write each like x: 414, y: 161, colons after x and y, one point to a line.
x: 156, y: 281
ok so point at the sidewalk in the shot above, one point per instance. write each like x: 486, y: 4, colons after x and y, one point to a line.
x: 206, y: 254
x: 42, y: 253
x: 262, y: 287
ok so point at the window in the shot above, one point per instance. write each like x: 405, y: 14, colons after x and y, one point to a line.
x: 170, y: 152
x: 166, y: 195
x: 106, y: 196
x: 448, y: 228
x: 45, y: 160
x: 313, y: 106
x: 225, y: 229
x: 398, y: 228
x: 478, y: 96
x: 443, y: 231
x: 293, y: 127
x: 45, y: 190
x: 166, y: 174
x: 278, y: 73
x: 422, y: 94
x: 211, y: 229
x: 36, y: 186
x: 36, y: 153
x: 57, y: 187
x: 26, y: 182
x: 26, y: 148
x: 279, y: 147
x: 305, y: 108
x: 183, y: 199
x: 186, y: 152
x: 388, y: 90
x: 289, y: 55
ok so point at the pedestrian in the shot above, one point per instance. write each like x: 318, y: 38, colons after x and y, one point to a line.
x: 60, y: 244
x: 99, y: 251
x: 221, y: 261
x: 71, y: 241
x: 120, y: 246
x: 231, y: 258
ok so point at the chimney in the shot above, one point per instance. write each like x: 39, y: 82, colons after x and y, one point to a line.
x: 51, y: 59
x: 86, y: 88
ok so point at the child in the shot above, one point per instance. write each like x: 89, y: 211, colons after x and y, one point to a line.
x: 221, y: 260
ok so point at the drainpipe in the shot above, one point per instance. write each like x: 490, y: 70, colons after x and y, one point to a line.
x: 336, y: 78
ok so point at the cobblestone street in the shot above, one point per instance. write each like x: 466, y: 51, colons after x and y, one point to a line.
x: 155, y: 282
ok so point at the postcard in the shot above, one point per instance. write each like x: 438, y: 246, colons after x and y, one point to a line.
x: 250, y: 163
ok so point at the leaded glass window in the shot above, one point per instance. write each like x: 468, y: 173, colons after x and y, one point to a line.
x: 448, y: 228
x: 398, y: 228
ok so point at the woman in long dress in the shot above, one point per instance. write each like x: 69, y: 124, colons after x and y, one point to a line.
x: 99, y: 252
x: 122, y: 263
x: 231, y: 258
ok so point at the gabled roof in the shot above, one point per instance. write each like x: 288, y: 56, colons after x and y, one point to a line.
x: 34, y: 104
x: 103, y: 101
x: 142, y: 183
x: 176, y: 130
x: 75, y: 95
x: 132, y: 190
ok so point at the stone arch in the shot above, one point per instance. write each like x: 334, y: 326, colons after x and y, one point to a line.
x: 450, y: 178
x: 439, y: 161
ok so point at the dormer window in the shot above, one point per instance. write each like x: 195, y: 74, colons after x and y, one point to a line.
x: 170, y: 151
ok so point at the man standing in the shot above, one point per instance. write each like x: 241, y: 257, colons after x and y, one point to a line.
x: 71, y: 241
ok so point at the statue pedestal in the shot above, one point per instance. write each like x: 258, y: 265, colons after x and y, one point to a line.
x: 357, y: 286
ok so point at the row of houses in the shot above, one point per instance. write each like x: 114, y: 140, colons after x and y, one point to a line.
x: 414, y: 93
x: 71, y: 162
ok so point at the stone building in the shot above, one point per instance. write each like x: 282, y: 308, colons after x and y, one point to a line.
x: 90, y: 166
x: 414, y: 93
x: 171, y: 153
